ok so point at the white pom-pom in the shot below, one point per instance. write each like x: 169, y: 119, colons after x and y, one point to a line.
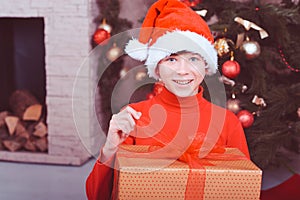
x: 137, y: 50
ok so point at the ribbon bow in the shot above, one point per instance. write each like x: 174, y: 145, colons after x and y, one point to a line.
x: 248, y: 25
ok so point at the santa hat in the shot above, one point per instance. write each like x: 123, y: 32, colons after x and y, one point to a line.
x: 169, y: 27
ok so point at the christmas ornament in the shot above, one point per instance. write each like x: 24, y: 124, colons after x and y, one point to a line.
x: 259, y: 101
x: 222, y: 47
x: 248, y: 25
x: 257, y: 113
x: 231, y: 68
x: 123, y: 72
x: 246, y: 118
x: 244, y: 88
x: 226, y: 80
x: 251, y: 49
x: 140, y: 75
x: 233, y: 105
x: 286, y: 62
x: 113, y: 53
x: 105, y: 26
x: 100, y: 36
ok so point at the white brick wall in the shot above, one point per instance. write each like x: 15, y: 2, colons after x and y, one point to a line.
x: 69, y: 25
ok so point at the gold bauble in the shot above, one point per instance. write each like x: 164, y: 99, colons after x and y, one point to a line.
x: 233, y: 105
x: 113, y: 53
x: 222, y: 47
x: 123, y: 72
x: 140, y: 75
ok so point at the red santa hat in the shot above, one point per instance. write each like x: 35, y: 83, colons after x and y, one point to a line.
x: 170, y: 27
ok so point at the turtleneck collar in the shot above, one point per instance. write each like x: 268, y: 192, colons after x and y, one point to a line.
x: 181, y: 104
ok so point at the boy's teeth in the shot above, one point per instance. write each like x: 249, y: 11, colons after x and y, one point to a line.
x: 183, y: 82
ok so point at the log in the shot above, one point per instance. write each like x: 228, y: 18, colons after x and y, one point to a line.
x: 4, y: 132
x: 3, y: 114
x: 29, y: 146
x: 31, y: 127
x: 12, y: 145
x: 33, y: 112
x: 40, y: 130
x: 11, y: 123
x: 21, y: 131
x: 24, y: 104
x: 41, y: 144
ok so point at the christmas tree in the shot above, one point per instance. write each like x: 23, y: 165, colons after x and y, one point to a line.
x: 263, y: 81
x: 259, y: 59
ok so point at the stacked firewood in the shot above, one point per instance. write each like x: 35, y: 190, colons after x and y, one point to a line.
x: 22, y: 126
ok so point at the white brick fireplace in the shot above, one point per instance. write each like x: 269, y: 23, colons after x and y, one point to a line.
x: 68, y: 29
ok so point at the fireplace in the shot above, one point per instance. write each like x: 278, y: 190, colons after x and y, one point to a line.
x: 22, y: 55
x: 45, y: 44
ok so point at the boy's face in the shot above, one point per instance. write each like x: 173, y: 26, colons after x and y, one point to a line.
x: 182, y: 73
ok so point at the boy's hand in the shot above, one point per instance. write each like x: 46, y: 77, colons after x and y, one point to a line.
x: 120, y: 126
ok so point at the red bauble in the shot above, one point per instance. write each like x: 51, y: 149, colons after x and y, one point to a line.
x: 231, y: 69
x: 193, y: 4
x: 100, y: 36
x: 246, y: 118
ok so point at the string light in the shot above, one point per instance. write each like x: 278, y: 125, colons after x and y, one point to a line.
x: 285, y: 61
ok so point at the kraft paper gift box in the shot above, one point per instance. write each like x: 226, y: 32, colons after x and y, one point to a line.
x: 149, y: 178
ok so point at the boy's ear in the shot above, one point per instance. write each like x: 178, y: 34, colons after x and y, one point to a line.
x: 206, y: 71
x: 157, y: 72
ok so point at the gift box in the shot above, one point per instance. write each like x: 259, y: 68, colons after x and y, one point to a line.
x: 231, y: 177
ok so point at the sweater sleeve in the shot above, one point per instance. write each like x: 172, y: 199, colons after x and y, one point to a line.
x: 99, y: 184
x: 100, y: 181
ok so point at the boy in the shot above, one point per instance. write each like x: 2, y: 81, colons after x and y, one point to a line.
x: 176, y: 45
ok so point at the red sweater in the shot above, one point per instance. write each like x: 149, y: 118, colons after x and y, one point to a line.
x: 169, y: 120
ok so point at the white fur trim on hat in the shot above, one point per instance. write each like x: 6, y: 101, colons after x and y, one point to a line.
x: 173, y: 42
x: 137, y: 50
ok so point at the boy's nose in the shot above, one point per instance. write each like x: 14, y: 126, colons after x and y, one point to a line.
x: 183, y: 66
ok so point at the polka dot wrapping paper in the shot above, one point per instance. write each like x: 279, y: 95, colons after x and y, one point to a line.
x: 152, y: 178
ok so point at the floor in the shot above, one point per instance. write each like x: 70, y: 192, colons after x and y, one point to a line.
x: 48, y: 182
x: 43, y: 182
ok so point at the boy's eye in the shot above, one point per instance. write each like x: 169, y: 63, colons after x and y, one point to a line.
x: 194, y: 59
x: 171, y: 59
